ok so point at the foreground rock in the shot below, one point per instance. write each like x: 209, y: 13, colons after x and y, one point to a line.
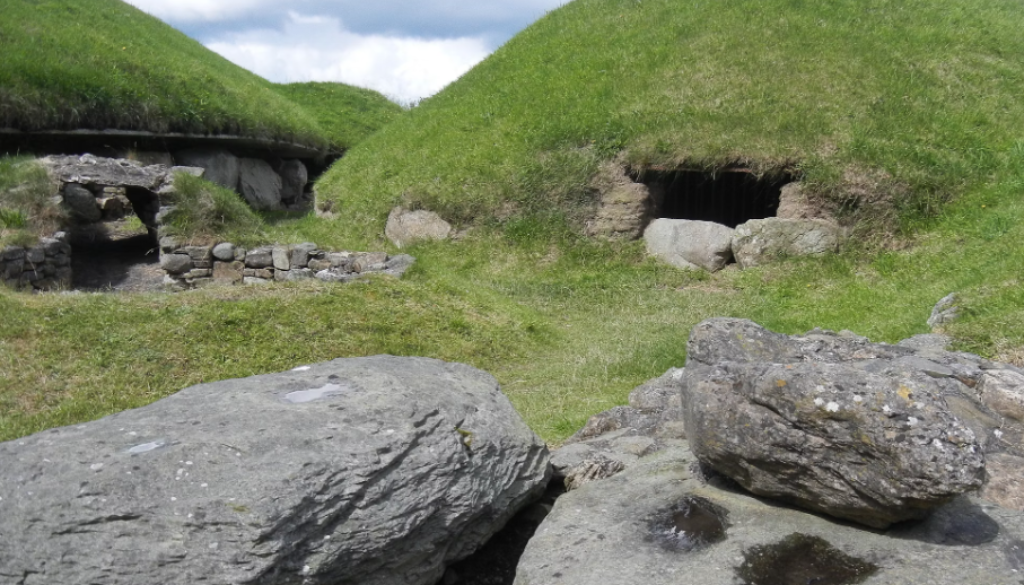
x: 855, y: 430
x: 690, y: 244
x: 372, y: 471
x: 659, y: 522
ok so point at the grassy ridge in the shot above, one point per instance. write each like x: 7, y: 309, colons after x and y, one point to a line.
x: 103, y: 64
x: 347, y: 114
x: 880, y: 99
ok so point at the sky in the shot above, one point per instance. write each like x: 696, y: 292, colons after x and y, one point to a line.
x: 405, y: 49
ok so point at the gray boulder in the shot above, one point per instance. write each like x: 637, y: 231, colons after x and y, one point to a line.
x: 861, y: 433
x: 221, y: 166
x: 259, y: 185
x: 662, y: 521
x: 294, y: 177
x: 82, y: 203
x: 367, y: 471
x: 760, y: 241
x: 945, y: 311
x: 408, y: 227
x: 690, y: 244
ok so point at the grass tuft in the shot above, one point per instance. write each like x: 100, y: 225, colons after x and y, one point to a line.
x: 28, y: 206
x: 206, y: 211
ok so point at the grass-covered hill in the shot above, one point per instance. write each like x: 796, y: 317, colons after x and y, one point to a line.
x: 913, y: 102
x: 103, y: 64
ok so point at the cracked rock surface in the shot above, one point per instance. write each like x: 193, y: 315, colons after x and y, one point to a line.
x: 374, y: 471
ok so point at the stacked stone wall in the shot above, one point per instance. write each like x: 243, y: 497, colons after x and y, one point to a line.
x: 44, y: 266
x: 188, y: 266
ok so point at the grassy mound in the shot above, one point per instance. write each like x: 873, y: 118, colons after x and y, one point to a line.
x: 27, y: 208
x: 347, y: 114
x: 102, y: 64
x: 911, y: 103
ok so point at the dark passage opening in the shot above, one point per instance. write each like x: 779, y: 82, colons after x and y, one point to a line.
x: 728, y: 196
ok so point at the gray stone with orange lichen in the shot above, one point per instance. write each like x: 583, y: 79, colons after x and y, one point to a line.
x: 367, y: 471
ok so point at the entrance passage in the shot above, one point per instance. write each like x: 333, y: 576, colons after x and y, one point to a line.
x: 728, y: 196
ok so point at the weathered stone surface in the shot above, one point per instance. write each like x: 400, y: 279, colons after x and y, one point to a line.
x: 95, y: 170
x: 408, y: 227
x: 334, y: 276
x: 82, y: 203
x: 197, y: 253
x: 639, y: 527
x: 282, y: 257
x: 1003, y: 391
x: 1005, y: 484
x: 317, y: 265
x: 866, y: 437
x: 35, y: 255
x: 225, y: 252
x: 175, y: 263
x: 293, y: 179
x: 625, y: 207
x: 690, y: 244
x: 365, y: 261
x: 221, y: 166
x: 228, y: 272
x: 294, y: 275
x: 260, y: 258
x: 945, y: 311
x: 299, y: 255
x: 370, y: 471
x: 259, y: 184
x: 760, y: 241
x: 398, y: 265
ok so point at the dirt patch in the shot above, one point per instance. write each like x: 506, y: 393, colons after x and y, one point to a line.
x: 115, y: 257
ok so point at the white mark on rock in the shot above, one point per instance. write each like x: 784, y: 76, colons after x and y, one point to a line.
x: 302, y: 369
x: 302, y: 396
x: 47, y: 461
x: 145, y: 447
x: 819, y: 402
x: 949, y: 467
x: 677, y: 375
x: 188, y: 463
x: 133, y: 434
x: 911, y: 421
x: 937, y: 443
x: 202, y: 485
x: 96, y: 466
x: 886, y: 409
x: 214, y: 545
x: 832, y: 407
x: 306, y: 569
x: 174, y: 499
x: 858, y: 399
x: 819, y: 388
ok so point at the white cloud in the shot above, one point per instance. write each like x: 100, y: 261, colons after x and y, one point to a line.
x: 196, y: 10
x: 317, y: 48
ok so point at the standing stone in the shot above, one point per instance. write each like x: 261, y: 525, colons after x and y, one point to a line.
x: 408, y: 227
x: 82, y: 203
x: 293, y: 180
x: 869, y: 439
x: 690, y: 244
x: 625, y: 206
x: 369, y: 471
x: 221, y: 166
x: 761, y: 241
x: 259, y: 184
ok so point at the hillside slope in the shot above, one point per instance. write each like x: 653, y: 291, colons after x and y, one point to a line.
x: 103, y: 64
x: 909, y: 101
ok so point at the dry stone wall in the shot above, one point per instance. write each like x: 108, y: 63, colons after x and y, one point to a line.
x: 44, y: 266
x: 189, y: 266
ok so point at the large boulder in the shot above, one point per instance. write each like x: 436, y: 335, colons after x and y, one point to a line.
x: 82, y: 203
x: 760, y: 241
x: 624, y: 207
x: 855, y: 430
x: 294, y: 177
x: 221, y: 166
x: 690, y: 244
x: 663, y: 521
x: 407, y: 227
x: 259, y: 185
x: 367, y: 471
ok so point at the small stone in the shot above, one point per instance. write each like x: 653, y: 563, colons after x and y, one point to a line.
x: 229, y: 272
x: 240, y: 254
x: 256, y: 281
x: 13, y: 253
x: 36, y: 255
x: 250, y: 272
x: 300, y: 254
x: 294, y: 275
x: 331, y: 276
x: 362, y: 262
x: 82, y: 203
x: 199, y: 273
x: 265, y: 273
x: 260, y: 258
x: 318, y: 265
x: 339, y: 259
x: 198, y: 253
x: 168, y: 244
x: 224, y: 252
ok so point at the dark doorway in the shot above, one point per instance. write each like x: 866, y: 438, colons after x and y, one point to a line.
x: 727, y: 196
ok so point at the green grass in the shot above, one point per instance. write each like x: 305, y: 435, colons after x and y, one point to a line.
x: 204, y: 211
x: 909, y: 104
x: 347, y: 114
x: 27, y: 208
x: 103, y: 64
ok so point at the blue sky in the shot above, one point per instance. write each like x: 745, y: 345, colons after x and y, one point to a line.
x: 406, y: 49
